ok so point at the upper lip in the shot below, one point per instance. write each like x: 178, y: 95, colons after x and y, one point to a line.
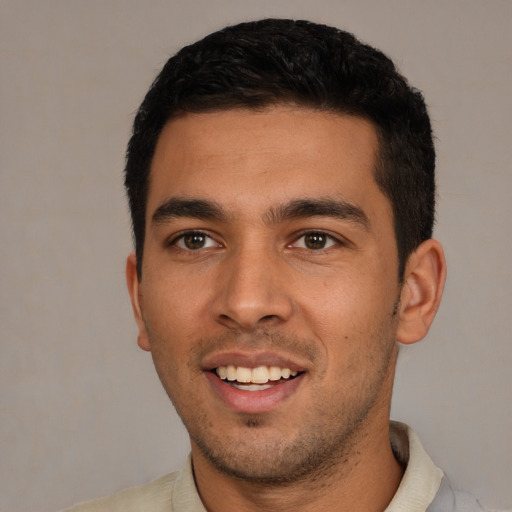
x: 252, y: 360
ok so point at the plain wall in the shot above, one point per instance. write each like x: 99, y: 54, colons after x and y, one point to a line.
x: 82, y: 411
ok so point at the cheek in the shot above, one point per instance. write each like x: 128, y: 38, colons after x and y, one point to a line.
x: 351, y: 316
x: 172, y: 303
x: 347, y: 299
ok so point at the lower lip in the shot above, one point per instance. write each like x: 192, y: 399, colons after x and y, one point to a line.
x: 253, y: 402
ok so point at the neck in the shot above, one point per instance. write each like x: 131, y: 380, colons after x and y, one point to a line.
x: 364, y: 479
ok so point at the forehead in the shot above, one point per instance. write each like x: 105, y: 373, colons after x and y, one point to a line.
x: 250, y: 159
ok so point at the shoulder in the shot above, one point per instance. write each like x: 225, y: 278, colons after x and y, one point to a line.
x: 449, y: 499
x: 172, y: 492
x: 153, y: 497
x: 424, y: 486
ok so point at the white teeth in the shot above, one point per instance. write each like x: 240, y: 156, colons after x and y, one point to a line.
x: 258, y: 375
x: 230, y: 372
x: 275, y: 373
x: 243, y: 374
x: 252, y: 387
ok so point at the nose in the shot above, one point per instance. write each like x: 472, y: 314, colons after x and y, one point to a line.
x: 252, y: 291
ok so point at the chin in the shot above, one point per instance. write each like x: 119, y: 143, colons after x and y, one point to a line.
x: 261, y: 457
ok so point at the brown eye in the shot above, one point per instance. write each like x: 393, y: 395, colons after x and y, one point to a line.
x: 194, y: 241
x: 315, y: 241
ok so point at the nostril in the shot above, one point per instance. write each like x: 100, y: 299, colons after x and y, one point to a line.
x: 267, y: 318
x: 248, y: 323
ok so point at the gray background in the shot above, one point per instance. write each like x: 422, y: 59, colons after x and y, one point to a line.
x: 82, y: 412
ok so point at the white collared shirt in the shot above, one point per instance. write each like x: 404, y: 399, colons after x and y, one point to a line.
x: 423, y: 488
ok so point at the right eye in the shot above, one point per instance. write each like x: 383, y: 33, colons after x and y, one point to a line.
x: 194, y: 241
x: 315, y: 241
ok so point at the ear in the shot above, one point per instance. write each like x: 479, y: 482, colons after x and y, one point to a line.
x: 134, y: 289
x: 424, y: 278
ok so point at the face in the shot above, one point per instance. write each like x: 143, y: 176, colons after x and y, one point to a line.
x: 269, y: 287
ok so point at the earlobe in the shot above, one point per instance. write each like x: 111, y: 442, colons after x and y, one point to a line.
x: 422, y: 290
x: 133, y: 283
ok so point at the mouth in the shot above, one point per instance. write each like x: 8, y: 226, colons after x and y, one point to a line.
x: 254, y: 382
x: 259, y: 378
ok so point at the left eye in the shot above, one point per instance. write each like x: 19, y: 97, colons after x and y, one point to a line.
x: 194, y: 240
x: 315, y: 241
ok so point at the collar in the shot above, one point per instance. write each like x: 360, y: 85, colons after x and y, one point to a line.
x: 422, y: 477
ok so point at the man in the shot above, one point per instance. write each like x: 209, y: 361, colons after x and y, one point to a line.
x: 281, y: 183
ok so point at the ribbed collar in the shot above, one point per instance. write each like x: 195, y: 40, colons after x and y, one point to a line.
x: 422, y: 477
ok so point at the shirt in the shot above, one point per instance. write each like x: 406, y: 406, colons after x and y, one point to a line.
x: 424, y: 487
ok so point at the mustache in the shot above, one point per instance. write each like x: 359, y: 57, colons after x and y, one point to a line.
x: 262, y: 339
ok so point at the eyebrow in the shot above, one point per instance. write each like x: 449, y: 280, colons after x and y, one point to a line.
x: 205, y: 209
x: 175, y: 208
x: 303, y: 208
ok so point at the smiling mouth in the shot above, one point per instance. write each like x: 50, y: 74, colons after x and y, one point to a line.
x: 254, y: 379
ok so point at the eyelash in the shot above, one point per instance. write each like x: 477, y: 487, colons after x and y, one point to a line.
x: 328, y: 239
x: 174, y: 242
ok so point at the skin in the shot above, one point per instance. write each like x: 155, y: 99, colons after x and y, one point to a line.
x: 251, y: 278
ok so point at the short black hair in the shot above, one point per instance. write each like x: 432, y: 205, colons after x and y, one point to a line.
x: 272, y: 61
